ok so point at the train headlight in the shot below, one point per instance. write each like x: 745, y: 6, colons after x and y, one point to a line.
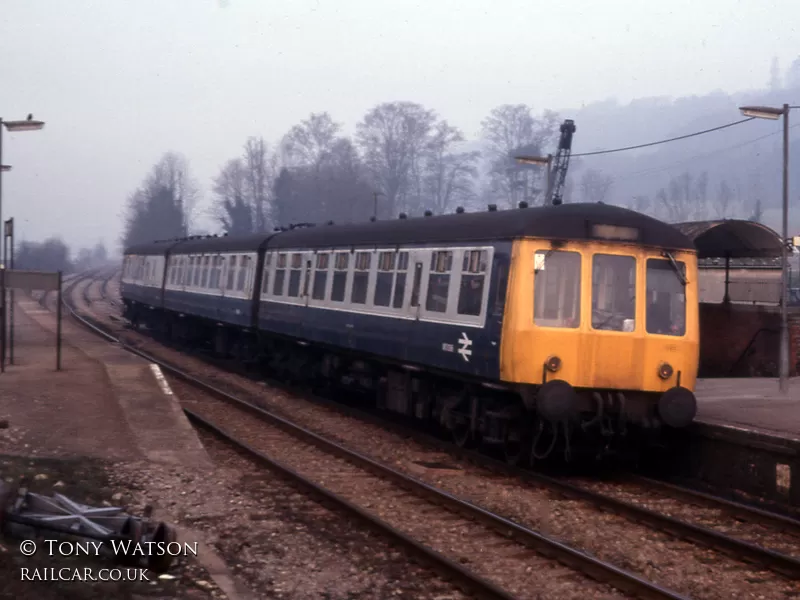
x: 553, y: 364
x: 665, y: 371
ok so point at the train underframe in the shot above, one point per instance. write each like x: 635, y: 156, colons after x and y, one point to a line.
x: 528, y: 425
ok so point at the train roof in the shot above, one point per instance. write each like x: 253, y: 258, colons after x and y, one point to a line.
x: 205, y: 243
x: 564, y: 222
x: 151, y: 248
x: 239, y: 243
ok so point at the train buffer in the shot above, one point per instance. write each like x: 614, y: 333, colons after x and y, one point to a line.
x: 117, y: 535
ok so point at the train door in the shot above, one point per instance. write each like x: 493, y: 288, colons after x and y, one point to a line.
x: 416, y: 289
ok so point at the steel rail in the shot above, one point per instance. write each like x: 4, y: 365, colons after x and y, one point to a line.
x: 599, y: 570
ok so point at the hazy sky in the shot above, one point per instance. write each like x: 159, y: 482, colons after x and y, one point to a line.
x: 121, y: 82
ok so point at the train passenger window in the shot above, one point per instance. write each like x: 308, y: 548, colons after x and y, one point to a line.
x: 181, y: 270
x: 613, y: 292
x: 383, y: 280
x: 666, y: 298
x: 439, y: 281
x: 557, y: 289
x: 280, y: 275
x: 294, y: 276
x: 361, y: 278
x: 244, y: 263
x: 204, y: 280
x: 400, y: 280
x: 231, y: 272
x: 265, y: 276
x: 216, y: 272
x: 473, y: 274
x: 320, y: 276
x: 197, y: 271
x: 339, y: 276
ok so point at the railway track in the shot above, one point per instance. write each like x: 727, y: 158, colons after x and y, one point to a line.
x: 640, y: 507
x: 384, y: 497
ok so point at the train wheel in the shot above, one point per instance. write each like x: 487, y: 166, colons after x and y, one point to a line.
x: 462, y: 432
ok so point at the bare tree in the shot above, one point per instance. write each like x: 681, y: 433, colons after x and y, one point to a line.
x: 449, y: 176
x: 231, y: 207
x: 595, y: 186
x: 392, y: 137
x: 641, y: 203
x: 680, y: 201
x: 259, y: 175
x: 172, y: 174
x: 701, y: 196
x: 510, y: 130
x: 310, y: 143
x: 725, y: 198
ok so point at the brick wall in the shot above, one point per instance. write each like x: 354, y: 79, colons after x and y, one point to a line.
x: 726, y: 332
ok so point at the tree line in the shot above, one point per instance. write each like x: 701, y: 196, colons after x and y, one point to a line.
x: 402, y: 158
x: 54, y: 255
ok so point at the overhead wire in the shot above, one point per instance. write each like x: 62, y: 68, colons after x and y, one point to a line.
x: 653, y: 170
x: 674, y: 139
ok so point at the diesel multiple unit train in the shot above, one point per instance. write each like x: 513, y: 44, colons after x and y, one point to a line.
x: 547, y: 331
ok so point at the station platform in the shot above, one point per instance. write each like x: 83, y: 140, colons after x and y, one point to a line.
x: 105, y: 402
x: 750, y: 403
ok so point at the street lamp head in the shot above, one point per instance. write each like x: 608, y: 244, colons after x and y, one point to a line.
x: 533, y: 160
x: 762, y: 112
x: 5, y: 168
x: 27, y: 125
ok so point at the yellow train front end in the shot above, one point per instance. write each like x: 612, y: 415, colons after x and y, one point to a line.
x: 603, y: 332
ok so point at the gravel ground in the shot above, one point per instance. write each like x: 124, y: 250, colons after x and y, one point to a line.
x: 690, y: 569
x: 510, y: 565
x: 765, y: 535
x: 278, y: 541
x: 85, y: 481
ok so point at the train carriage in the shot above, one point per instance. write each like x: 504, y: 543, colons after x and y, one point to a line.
x: 558, y: 327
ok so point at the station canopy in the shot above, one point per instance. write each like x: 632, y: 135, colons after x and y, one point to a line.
x: 732, y: 238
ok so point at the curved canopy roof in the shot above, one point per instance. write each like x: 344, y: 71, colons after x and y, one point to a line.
x: 732, y: 238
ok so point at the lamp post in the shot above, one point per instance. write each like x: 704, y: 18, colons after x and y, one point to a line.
x: 542, y: 161
x: 768, y: 112
x: 28, y: 124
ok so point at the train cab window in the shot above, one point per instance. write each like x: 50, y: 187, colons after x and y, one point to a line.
x: 613, y: 292
x: 439, y: 281
x: 339, y: 276
x: 320, y: 276
x: 231, y: 272
x: 204, y: 280
x: 280, y: 275
x: 244, y: 263
x: 294, y: 276
x: 557, y: 289
x: 473, y: 275
x: 400, y: 280
x: 265, y: 275
x: 666, y: 297
x: 361, y: 278
x: 383, y: 280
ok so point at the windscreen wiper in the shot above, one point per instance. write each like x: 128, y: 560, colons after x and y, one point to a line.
x: 675, y: 267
